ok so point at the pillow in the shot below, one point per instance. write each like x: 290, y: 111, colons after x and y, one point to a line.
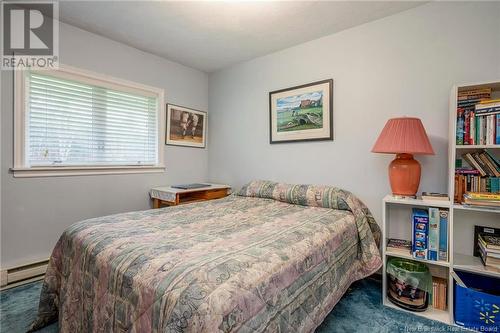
x: 305, y: 195
x: 316, y: 196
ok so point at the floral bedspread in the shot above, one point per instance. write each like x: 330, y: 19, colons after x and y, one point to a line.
x: 275, y: 258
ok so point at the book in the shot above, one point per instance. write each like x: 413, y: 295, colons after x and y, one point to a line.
x: 483, y: 203
x: 497, y: 129
x: 487, y: 111
x: 492, y: 158
x: 490, y: 164
x: 482, y: 165
x: 468, y: 104
x: 443, y: 235
x: 490, y: 129
x: 489, y: 261
x: 483, y: 196
x: 486, y: 91
x: 434, y: 196
x: 489, y: 252
x: 190, y: 186
x: 433, y: 302
x: 482, y: 230
x: 459, y: 188
x: 467, y: 134
x: 460, y: 126
x: 439, y: 292
x: 491, y: 101
x: 466, y: 171
x: 420, y: 223
x: 479, y: 97
x: 490, y: 241
x: 473, y: 163
x: 433, y: 247
x: 495, y: 185
x: 480, y: 130
x: 472, y: 128
x: 399, y: 245
x: 485, y: 103
x: 488, y: 245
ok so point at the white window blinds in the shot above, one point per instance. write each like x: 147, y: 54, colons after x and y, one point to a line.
x: 77, y: 123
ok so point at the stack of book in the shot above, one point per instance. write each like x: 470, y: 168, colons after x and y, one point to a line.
x: 482, y: 175
x: 402, y: 246
x: 482, y: 199
x: 470, y: 129
x: 484, y: 162
x: 487, y: 127
x: 430, y: 234
x: 439, y: 292
x: 489, y: 250
x: 434, y: 196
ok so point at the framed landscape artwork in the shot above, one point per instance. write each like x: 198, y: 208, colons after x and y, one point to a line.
x: 185, y: 127
x: 302, y: 113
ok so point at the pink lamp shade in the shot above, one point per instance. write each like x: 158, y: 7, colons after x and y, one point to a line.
x: 403, y: 135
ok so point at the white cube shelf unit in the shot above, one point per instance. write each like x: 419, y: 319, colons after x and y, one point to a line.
x: 397, y: 224
x: 461, y: 218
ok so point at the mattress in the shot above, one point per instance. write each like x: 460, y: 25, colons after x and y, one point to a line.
x: 242, y: 263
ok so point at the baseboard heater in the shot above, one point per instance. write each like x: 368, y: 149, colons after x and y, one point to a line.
x: 18, y: 274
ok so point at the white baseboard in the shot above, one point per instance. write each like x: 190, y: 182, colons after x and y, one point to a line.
x: 23, y: 272
x: 20, y: 283
x: 3, y: 277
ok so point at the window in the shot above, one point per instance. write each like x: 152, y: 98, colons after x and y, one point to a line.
x: 72, y: 122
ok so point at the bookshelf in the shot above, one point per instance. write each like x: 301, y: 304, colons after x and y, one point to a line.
x: 464, y: 217
x: 461, y: 218
x: 397, y: 224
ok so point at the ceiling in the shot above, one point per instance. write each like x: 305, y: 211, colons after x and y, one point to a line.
x: 212, y: 35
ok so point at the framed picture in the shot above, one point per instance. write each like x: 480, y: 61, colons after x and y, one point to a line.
x: 302, y: 113
x: 186, y: 127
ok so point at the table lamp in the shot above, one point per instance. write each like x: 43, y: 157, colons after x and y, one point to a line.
x: 404, y: 137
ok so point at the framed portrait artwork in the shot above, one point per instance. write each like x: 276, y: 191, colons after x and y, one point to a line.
x: 185, y: 127
x: 302, y: 113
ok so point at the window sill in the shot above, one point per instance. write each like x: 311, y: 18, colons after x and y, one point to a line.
x: 83, y: 171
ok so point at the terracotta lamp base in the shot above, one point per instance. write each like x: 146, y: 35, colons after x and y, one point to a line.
x: 404, y: 175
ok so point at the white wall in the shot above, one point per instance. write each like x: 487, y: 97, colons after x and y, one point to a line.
x: 405, y: 64
x: 35, y: 211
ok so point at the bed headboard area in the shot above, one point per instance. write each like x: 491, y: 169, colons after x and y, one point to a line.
x: 313, y: 195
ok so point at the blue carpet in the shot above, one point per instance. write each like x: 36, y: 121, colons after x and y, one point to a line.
x: 360, y: 310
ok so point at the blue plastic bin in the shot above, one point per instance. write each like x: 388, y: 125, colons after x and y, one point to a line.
x: 474, y: 309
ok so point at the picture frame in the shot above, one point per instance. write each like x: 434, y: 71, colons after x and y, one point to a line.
x: 301, y: 113
x: 185, y: 126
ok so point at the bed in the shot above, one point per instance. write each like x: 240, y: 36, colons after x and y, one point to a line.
x: 271, y: 258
